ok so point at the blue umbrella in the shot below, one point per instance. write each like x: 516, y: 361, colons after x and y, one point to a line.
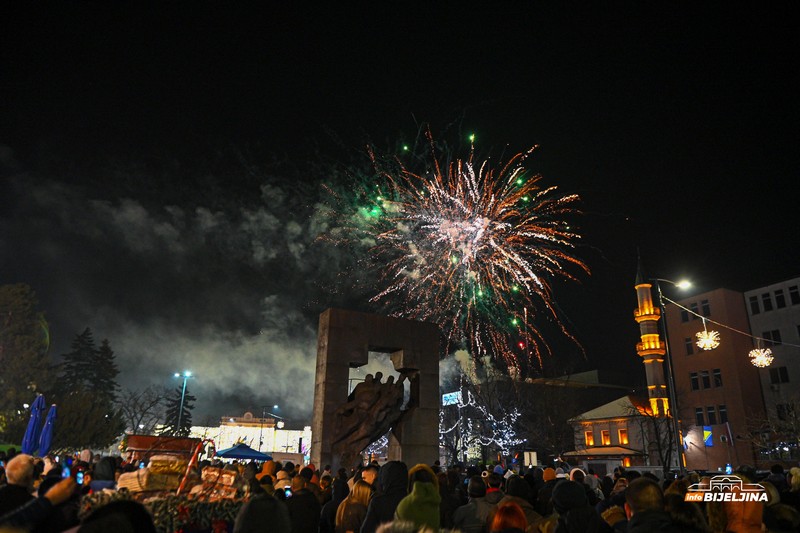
x: 47, y: 431
x: 31, y: 439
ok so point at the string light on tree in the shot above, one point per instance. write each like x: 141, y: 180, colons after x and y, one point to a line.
x: 707, y: 340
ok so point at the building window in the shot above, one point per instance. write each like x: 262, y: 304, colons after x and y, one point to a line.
x: 589, y: 438
x: 693, y: 308
x: 623, y: 436
x: 705, y: 307
x: 779, y: 375
x: 626, y: 462
x: 712, y: 415
x: 754, y: 308
x: 717, y: 373
x: 780, y: 299
x: 698, y: 416
x: 689, y: 343
x: 695, y: 381
x: 723, y: 414
x: 706, y: 379
x: 684, y: 315
x: 794, y: 295
x: 773, y: 337
x: 766, y: 301
x: 606, y: 437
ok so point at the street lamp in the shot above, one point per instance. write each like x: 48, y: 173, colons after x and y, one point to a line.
x: 186, y: 375
x: 673, y: 397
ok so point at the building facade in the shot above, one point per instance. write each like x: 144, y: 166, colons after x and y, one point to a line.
x: 718, y: 390
x: 774, y: 314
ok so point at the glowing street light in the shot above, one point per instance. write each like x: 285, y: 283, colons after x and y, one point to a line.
x: 186, y: 375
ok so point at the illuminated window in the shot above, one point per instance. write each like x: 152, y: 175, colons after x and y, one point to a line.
x: 623, y: 436
x: 589, y: 436
x: 606, y: 436
x: 626, y: 462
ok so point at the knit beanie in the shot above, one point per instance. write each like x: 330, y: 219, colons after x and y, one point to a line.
x: 568, y: 495
x: 548, y: 474
x: 499, y: 470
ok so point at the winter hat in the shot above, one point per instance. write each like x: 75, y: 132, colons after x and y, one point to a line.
x: 499, y: 470
x: 283, y: 474
x: 548, y: 474
x: 560, y: 473
x: 572, y: 473
x: 568, y: 495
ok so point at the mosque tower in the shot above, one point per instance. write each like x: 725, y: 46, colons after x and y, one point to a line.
x: 651, y: 348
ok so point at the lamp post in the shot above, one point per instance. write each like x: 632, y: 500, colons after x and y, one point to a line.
x: 186, y: 375
x: 673, y: 397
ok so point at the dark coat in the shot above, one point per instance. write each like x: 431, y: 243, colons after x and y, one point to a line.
x: 392, y: 488
x: 327, y: 520
x: 649, y: 521
x: 304, y: 511
x: 262, y: 509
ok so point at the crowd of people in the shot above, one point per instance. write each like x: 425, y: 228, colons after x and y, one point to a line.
x: 393, y: 498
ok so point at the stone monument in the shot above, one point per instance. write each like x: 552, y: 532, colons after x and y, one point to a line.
x: 343, y: 425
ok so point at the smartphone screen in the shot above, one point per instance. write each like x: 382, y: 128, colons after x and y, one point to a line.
x: 141, y: 464
x: 79, y: 478
x: 288, y: 492
x: 65, y: 472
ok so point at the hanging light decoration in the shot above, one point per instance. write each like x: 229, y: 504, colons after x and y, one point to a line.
x: 761, y: 357
x: 707, y: 340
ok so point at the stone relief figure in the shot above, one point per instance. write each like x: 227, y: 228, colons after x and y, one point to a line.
x: 370, y: 411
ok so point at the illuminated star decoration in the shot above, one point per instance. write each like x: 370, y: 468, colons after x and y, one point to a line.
x: 707, y: 340
x: 474, y: 249
x: 761, y: 357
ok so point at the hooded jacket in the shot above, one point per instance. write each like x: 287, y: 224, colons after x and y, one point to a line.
x: 421, y: 506
x: 392, y: 483
x: 339, y: 491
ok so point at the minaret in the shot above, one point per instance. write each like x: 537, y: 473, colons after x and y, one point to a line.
x: 651, y: 348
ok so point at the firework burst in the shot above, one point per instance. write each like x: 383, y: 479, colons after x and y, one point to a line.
x: 471, y: 248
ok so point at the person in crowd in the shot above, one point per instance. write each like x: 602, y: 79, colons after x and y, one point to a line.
x: 571, y: 511
x: 518, y: 491
x: 120, y: 516
x: 509, y: 518
x: 644, y: 506
x: 738, y: 517
x: 19, y: 487
x: 449, y: 501
x: 778, y: 478
x: 103, y: 475
x: 327, y: 520
x: 421, y: 505
x: 578, y: 475
x: 392, y: 488
x: 325, y: 482
x: 534, y: 479
x: 544, y: 504
x: 494, y: 488
x: 263, y: 512
x: 473, y: 517
x: 282, y: 480
x: 36, y: 512
x: 304, y: 507
x: 269, y: 468
x: 351, y: 512
x: 781, y: 518
x: 370, y: 474
x: 310, y: 477
x: 792, y: 496
x: 687, y: 516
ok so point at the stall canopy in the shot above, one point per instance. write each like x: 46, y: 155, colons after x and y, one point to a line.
x: 243, y: 451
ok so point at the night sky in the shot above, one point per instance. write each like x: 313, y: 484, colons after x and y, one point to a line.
x: 160, y: 166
